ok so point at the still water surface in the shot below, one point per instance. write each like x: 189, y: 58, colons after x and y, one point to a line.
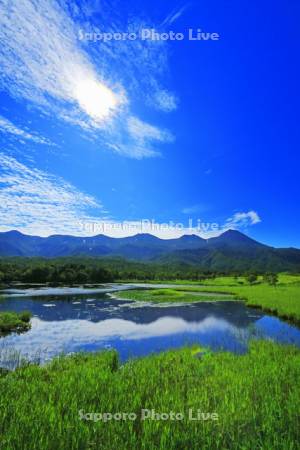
x: 67, y: 320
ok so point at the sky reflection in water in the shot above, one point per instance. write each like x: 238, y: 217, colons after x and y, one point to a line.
x: 89, y: 320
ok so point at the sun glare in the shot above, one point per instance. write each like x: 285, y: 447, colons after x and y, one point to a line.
x: 95, y: 99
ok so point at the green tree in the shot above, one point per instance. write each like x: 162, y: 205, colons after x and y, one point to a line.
x: 252, y: 278
x: 271, y: 278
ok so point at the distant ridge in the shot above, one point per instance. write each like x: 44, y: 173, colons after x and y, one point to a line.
x: 232, y: 250
x: 140, y: 246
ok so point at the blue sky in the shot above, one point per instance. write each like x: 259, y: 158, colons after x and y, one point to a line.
x: 96, y: 133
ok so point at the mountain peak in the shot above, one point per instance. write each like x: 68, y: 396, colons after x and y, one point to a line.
x: 15, y: 233
x: 234, y: 237
x: 233, y: 232
x: 144, y: 236
x: 190, y: 237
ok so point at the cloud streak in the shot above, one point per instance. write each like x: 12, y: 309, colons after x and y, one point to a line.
x: 44, y: 64
x: 242, y: 220
x: 170, y: 229
x: 36, y: 202
x: 8, y: 127
x: 175, y: 14
x: 40, y: 59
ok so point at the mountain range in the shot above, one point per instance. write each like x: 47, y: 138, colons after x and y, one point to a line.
x: 232, y: 250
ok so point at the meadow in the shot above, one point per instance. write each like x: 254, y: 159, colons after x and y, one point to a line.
x: 212, y: 401
x: 58, y: 406
x: 282, y: 300
x: 167, y: 295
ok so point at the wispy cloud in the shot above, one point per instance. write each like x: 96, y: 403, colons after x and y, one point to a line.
x: 163, y: 100
x: 140, y: 65
x: 143, y: 132
x: 175, y: 14
x: 81, y: 82
x: 242, y: 220
x: 138, y: 139
x: 42, y: 62
x: 170, y: 229
x: 36, y: 202
x: 8, y: 127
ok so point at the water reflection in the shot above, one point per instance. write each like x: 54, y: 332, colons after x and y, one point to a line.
x: 90, y: 322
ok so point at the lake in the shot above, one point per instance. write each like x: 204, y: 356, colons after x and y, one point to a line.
x: 67, y: 320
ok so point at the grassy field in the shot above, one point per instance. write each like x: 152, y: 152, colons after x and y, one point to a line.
x: 282, y: 300
x: 227, y: 281
x: 12, y: 321
x: 169, y: 295
x: 245, y: 402
x: 250, y: 402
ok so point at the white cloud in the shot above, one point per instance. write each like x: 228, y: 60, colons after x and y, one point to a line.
x: 36, y: 202
x: 8, y: 127
x: 163, y: 100
x: 242, y: 220
x: 143, y: 132
x: 44, y: 63
x: 41, y: 60
x: 140, y: 65
x: 170, y: 229
x: 138, y: 139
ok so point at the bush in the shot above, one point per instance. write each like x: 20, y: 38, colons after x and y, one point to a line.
x: 11, y: 321
x: 25, y: 316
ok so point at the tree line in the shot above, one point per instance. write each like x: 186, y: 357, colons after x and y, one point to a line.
x: 79, y: 270
x: 85, y: 270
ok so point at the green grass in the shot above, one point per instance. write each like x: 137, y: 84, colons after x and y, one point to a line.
x: 12, y: 321
x: 224, y: 281
x: 166, y: 295
x: 282, y: 300
x: 256, y: 398
x: 218, y: 281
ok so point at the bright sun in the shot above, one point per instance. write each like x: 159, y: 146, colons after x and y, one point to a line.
x: 95, y: 99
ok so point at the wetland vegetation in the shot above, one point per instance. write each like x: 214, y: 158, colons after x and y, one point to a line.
x: 255, y: 397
